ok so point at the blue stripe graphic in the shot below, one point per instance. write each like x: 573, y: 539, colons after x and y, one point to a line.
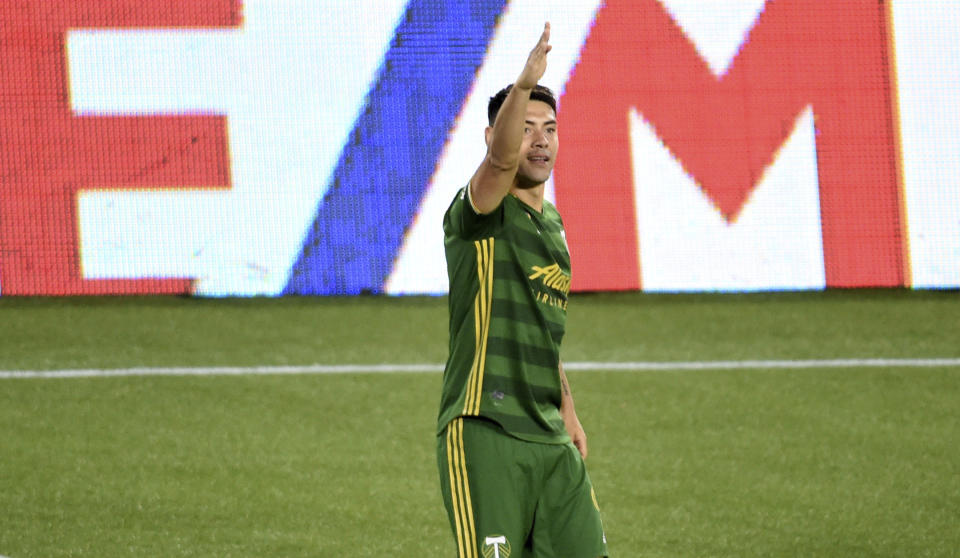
x: 391, y: 154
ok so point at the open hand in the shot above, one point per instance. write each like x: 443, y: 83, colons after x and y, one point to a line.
x: 536, y: 62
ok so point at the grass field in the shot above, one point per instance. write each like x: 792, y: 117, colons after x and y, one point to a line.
x: 835, y: 462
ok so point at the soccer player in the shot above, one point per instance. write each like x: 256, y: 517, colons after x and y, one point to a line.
x: 510, y: 447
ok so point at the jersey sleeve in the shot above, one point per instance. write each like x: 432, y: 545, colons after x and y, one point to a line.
x: 464, y: 221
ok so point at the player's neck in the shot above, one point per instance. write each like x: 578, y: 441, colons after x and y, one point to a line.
x: 530, y: 196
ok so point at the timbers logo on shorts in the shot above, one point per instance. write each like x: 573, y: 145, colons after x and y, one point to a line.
x: 496, y: 546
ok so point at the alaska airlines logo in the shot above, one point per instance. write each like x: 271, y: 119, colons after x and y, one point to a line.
x: 556, y: 281
x: 552, y: 277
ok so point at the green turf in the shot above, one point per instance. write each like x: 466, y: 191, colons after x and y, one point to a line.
x: 47, y: 333
x: 824, y: 462
x: 759, y: 463
x: 167, y: 331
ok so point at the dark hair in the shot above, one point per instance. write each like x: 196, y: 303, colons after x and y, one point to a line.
x: 539, y: 93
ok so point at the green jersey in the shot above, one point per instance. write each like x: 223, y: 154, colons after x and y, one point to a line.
x: 509, y: 274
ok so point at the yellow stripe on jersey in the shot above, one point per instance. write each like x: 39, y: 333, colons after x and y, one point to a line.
x: 460, y: 491
x: 488, y: 276
x: 454, y: 485
x: 482, y: 305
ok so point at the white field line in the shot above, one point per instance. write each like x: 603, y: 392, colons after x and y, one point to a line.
x: 434, y: 368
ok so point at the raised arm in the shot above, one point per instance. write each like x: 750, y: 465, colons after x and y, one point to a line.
x: 495, y: 176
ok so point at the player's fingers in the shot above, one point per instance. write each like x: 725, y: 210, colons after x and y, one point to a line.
x: 543, y: 45
x: 539, y: 54
x: 581, y: 447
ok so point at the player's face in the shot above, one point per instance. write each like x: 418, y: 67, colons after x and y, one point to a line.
x: 540, y: 142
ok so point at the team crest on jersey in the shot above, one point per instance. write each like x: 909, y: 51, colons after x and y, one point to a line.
x: 496, y: 546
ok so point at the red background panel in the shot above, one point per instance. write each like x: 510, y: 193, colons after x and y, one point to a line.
x: 48, y: 154
x: 726, y: 131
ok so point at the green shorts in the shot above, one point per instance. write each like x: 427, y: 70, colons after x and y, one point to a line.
x: 509, y: 497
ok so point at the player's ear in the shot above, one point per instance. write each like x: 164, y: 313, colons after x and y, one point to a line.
x: 487, y: 134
